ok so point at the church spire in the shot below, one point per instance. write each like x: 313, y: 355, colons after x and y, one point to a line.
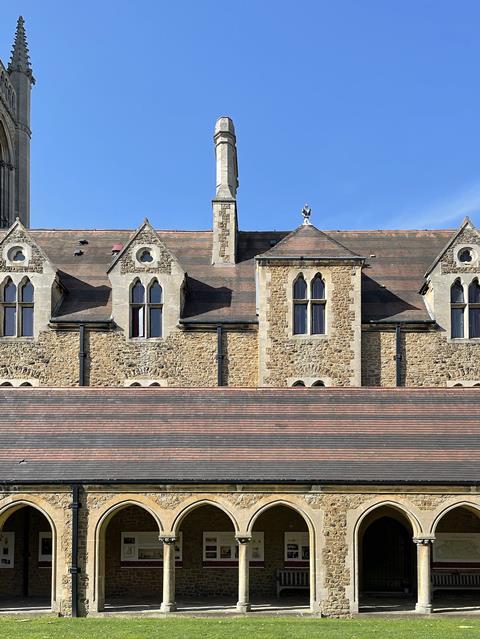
x: 20, y: 60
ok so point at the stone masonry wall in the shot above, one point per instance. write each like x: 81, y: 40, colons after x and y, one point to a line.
x: 52, y: 359
x: 331, y: 356
x: 428, y: 359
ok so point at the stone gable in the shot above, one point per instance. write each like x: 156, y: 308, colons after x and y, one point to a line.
x: 448, y: 263
x: 147, y: 237
x: 37, y: 259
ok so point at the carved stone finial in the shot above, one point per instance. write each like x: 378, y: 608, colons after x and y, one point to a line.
x: 20, y: 60
x: 306, y: 212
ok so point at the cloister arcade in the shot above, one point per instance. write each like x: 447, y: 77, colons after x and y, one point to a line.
x: 230, y: 553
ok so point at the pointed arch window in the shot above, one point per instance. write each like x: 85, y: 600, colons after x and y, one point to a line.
x: 137, y: 310
x: 457, y: 310
x: 300, y: 306
x: 474, y: 309
x: 317, y: 306
x: 155, y: 309
x: 309, y: 302
x: 146, y: 310
x: 17, y: 309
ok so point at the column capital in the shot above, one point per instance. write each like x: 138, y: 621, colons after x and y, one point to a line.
x: 167, y: 538
x: 243, y: 538
x: 424, y: 540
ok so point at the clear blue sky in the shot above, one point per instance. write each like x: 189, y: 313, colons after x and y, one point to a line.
x: 367, y: 110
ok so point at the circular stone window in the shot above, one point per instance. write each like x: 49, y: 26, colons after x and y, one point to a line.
x: 145, y: 256
x: 466, y: 256
x: 16, y: 254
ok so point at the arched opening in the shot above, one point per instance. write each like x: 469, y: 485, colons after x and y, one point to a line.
x: 208, y: 577
x: 456, y: 560
x: 5, y: 179
x: 280, y: 559
x: 27, y: 558
x: 131, y: 561
x: 387, y: 561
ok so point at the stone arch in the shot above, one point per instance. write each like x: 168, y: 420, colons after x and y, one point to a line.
x: 180, y: 516
x: 279, y: 502
x: 44, y: 508
x: 402, y: 509
x: 313, y: 541
x: 100, y: 529
x: 6, y: 147
x: 469, y: 505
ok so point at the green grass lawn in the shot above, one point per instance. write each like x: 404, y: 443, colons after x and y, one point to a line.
x: 238, y: 628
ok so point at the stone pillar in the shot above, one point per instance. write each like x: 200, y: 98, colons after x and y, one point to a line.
x: 168, y: 599
x: 424, y: 579
x: 243, y: 604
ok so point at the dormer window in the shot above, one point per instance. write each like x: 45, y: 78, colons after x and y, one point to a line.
x: 457, y: 308
x: 146, y: 312
x: 309, y: 304
x: 474, y: 309
x: 17, y: 309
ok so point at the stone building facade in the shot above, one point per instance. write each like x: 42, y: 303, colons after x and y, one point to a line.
x: 94, y: 509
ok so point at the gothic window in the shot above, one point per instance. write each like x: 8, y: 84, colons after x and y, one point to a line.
x: 317, y: 306
x: 309, y: 304
x: 300, y: 306
x: 137, y: 310
x: 457, y: 306
x: 146, y: 312
x: 17, y: 309
x: 474, y: 309
x: 155, y: 309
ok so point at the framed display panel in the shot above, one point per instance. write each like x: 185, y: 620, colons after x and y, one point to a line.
x: 45, y: 549
x: 143, y: 549
x: 297, y: 549
x: 456, y: 549
x: 7, y: 550
x: 221, y: 549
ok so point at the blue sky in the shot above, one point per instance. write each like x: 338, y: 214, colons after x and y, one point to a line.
x: 367, y: 110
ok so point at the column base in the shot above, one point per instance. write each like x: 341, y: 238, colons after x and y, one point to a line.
x: 422, y: 609
x: 168, y: 607
x: 243, y: 607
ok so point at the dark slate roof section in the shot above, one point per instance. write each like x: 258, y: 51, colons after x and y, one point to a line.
x: 290, y: 435
x: 390, y: 284
x: 306, y: 241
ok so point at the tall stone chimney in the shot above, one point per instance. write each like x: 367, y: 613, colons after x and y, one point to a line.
x: 225, y: 225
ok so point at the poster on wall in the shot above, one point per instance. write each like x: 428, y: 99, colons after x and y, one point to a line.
x: 7, y: 549
x: 457, y: 548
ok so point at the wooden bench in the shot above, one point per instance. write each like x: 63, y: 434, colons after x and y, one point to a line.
x: 292, y: 579
x: 456, y: 579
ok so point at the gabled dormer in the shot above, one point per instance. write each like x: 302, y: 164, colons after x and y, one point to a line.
x: 147, y: 286
x: 309, y: 309
x: 29, y: 290
x: 451, y: 290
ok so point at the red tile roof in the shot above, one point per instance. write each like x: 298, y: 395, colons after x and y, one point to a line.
x: 222, y: 435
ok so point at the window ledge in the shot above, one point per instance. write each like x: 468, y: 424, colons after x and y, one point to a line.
x: 305, y: 336
x: 464, y: 340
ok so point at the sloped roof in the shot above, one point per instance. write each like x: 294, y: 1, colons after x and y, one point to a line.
x: 390, y: 282
x: 308, y: 241
x: 226, y: 435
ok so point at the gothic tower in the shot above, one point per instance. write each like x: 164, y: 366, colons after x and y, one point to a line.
x: 15, y: 87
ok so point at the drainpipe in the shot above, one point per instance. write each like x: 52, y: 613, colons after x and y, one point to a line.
x: 82, y: 355
x: 74, y: 570
x: 398, y: 354
x: 219, y: 355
